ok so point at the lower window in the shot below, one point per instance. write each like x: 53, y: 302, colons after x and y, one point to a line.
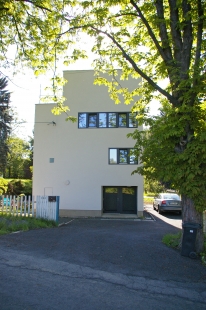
x: 122, y: 156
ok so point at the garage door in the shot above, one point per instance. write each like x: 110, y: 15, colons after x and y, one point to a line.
x: 120, y: 199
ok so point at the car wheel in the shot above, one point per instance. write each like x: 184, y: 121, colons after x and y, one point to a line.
x: 159, y: 211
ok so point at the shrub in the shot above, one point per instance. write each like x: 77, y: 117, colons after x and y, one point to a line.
x: 18, y: 187
x: 3, y: 186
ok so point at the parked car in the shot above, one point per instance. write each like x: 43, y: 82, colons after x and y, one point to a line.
x: 167, y: 202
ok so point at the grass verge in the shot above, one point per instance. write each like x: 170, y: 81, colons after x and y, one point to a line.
x: 9, y: 223
x: 148, y: 200
x: 174, y: 241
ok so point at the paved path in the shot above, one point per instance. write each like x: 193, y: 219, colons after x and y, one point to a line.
x: 98, y: 264
x: 170, y: 218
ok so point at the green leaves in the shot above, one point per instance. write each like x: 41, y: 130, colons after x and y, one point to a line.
x: 170, y: 154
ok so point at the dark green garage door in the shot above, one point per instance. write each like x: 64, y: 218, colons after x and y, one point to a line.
x: 120, y: 199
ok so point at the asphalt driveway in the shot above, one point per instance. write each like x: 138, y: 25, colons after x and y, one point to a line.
x: 99, y: 264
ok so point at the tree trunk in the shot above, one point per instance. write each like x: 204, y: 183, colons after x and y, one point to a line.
x: 190, y: 215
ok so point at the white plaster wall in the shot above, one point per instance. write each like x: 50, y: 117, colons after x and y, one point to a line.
x: 81, y: 155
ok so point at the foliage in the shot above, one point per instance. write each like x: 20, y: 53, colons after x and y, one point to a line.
x: 33, y: 31
x: 9, y: 223
x: 31, y: 154
x: 17, y: 187
x: 148, y: 199
x: 3, y: 186
x: 5, y: 121
x: 18, y: 159
x: 153, y: 186
x: 184, y: 170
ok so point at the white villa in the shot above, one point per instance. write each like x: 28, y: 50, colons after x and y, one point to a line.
x: 88, y: 163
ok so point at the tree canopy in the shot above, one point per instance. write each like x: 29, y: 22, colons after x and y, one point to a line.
x: 18, y: 159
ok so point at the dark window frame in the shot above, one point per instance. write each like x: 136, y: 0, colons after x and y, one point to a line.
x: 128, y: 162
x: 117, y: 125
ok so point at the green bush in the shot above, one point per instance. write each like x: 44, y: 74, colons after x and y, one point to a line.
x: 172, y: 240
x: 3, y: 186
x: 18, y: 187
x: 152, y: 186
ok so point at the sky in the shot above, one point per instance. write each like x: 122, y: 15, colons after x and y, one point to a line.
x: 25, y: 92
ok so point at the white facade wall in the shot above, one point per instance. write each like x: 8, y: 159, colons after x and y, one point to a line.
x: 81, y: 168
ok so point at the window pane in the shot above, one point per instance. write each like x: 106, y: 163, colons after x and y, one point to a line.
x: 82, y: 120
x: 92, y: 120
x: 122, y: 120
x: 132, y: 157
x: 102, y: 119
x: 123, y: 156
x: 132, y: 120
x: 113, y: 156
x: 112, y: 120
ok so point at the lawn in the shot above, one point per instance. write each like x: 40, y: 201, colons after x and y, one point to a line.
x: 9, y: 223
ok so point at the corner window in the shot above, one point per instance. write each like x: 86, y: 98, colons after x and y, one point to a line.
x: 122, y: 156
x: 113, y: 156
x: 82, y: 120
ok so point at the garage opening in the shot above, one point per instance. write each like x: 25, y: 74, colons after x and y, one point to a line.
x: 120, y: 199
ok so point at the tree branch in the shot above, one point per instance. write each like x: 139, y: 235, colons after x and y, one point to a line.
x: 150, y: 32
x: 19, y: 35
x: 175, y: 31
x: 137, y: 69
x: 187, y: 40
x: 33, y: 3
x: 163, y: 31
x: 199, y: 41
x: 164, y: 51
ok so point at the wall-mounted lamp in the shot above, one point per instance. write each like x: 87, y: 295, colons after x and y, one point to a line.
x: 48, y: 123
x: 53, y: 123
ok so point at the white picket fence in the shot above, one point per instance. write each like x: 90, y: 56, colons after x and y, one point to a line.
x: 47, y: 208
x: 29, y: 206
